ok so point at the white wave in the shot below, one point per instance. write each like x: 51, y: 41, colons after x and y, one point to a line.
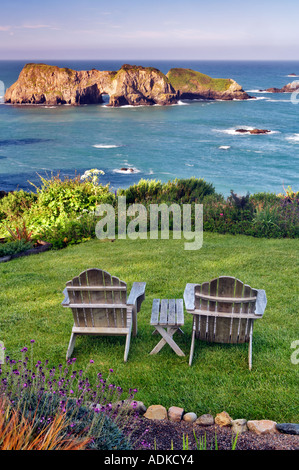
x: 50, y: 107
x: 188, y: 164
x: 224, y: 147
x: 291, y: 75
x: 182, y: 103
x: 258, y: 98
x: 258, y: 91
x: 104, y: 146
x: 127, y: 171
x: 293, y: 138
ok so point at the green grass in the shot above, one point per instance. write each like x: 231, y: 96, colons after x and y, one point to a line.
x: 190, y: 80
x: 219, y: 379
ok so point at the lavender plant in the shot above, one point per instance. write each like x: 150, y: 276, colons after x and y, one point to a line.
x: 40, y: 392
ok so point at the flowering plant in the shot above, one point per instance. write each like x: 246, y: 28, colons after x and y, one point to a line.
x: 92, y: 175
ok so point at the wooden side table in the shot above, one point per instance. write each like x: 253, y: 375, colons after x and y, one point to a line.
x: 167, y: 318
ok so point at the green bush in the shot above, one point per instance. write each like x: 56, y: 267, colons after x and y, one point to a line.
x: 12, y: 248
x: 15, y: 204
x: 70, y: 231
x: 181, y: 191
x: 53, y: 204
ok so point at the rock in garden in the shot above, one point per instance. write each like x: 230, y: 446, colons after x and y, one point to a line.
x: 131, y: 406
x: 175, y: 413
x: 190, y: 417
x: 156, y: 412
x: 264, y: 426
x: 288, y: 428
x: 223, y: 419
x: 239, y: 426
x: 205, y: 420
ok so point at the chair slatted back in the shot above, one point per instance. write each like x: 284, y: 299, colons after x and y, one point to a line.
x: 98, y: 299
x: 224, y: 295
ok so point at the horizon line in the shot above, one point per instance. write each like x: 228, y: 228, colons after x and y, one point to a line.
x: 157, y: 60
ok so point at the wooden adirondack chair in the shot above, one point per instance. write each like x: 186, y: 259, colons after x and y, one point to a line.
x: 100, y: 306
x: 224, y: 310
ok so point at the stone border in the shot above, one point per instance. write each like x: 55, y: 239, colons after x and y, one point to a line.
x: 238, y: 426
x: 43, y: 246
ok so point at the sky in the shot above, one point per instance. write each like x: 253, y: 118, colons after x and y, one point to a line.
x: 152, y: 30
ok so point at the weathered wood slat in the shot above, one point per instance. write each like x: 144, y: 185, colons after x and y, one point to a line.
x: 171, y: 312
x: 163, y: 312
x: 95, y: 288
x: 226, y: 299
x: 180, y: 312
x: 97, y: 305
x: 223, y: 314
x: 100, y: 330
x: 155, y: 312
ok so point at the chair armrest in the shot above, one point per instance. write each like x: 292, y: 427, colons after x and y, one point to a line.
x: 137, y: 294
x: 189, y: 296
x: 66, y: 301
x: 261, y: 302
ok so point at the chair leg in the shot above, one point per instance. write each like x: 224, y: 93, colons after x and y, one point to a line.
x: 128, y: 338
x: 134, y: 318
x: 127, y: 347
x: 250, y: 346
x: 71, y: 346
x: 192, y: 343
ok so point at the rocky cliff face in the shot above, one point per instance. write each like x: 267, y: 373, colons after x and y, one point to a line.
x: 131, y: 85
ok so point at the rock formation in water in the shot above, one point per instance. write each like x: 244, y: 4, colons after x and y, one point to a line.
x: 195, y: 85
x: 289, y: 88
x: 131, y: 85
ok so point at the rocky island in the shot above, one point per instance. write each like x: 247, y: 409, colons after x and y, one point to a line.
x: 289, y: 88
x: 131, y: 85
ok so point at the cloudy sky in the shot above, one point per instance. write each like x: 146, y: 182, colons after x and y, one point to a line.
x: 157, y: 29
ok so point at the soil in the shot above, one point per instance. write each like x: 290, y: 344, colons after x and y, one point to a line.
x: 167, y: 435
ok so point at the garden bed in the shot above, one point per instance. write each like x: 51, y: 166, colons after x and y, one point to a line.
x: 165, y: 435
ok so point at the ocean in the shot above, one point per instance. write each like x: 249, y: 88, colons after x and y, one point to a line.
x: 192, y: 138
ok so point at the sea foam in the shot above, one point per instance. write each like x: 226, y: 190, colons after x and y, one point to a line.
x: 104, y: 146
x: 293, y: 138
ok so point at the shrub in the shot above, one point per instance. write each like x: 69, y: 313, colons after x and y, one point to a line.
x: 70, y: 231
x: 60, y: 199
x: 14, y: 247
x: 15, y: 204
x: 181, y: 191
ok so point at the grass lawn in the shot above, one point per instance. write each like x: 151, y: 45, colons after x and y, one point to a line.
x: 219, y: 378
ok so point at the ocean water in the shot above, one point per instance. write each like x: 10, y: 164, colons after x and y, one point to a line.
x: 192, y: 138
